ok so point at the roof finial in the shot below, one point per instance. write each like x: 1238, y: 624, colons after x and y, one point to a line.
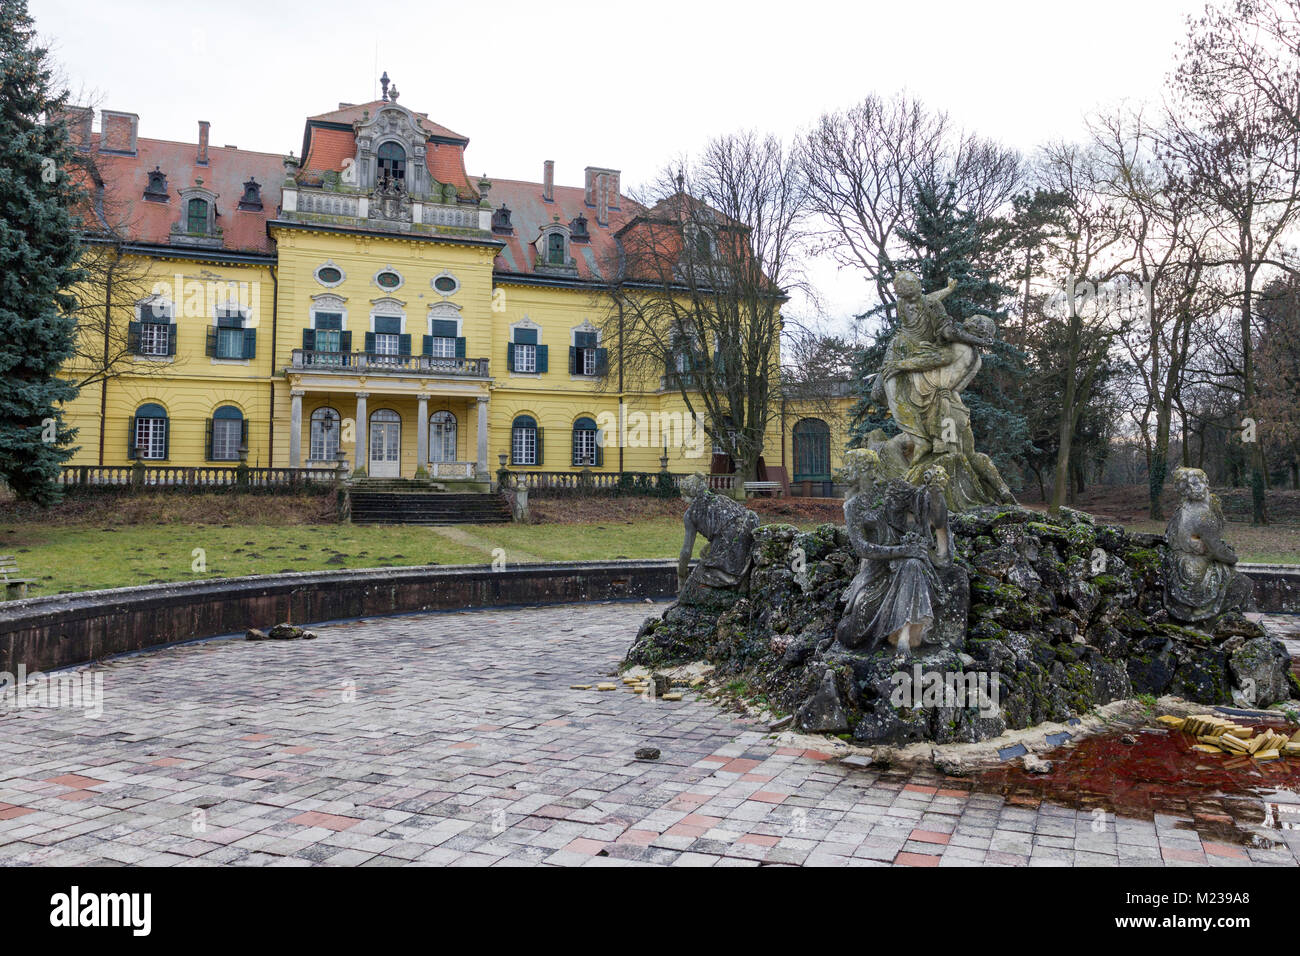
x: 383, y: 82
x: 681, y: 181
x: 392, y: 94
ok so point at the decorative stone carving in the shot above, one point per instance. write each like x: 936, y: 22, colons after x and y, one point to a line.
x: 1200, y: 580
x: 928, y: 363
x: 901, y: 536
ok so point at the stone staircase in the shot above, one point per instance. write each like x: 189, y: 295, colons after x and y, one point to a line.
x: 398, y: 501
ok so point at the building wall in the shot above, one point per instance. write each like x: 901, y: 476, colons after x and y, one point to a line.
x: 192, y: 385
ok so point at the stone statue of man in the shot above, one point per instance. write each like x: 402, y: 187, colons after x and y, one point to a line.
x: 729, y: 528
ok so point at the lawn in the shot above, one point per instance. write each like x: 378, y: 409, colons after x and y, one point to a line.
x: 73, y: 558
x: 149, y: 539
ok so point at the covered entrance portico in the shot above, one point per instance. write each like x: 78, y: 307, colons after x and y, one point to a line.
x: 392, y: 425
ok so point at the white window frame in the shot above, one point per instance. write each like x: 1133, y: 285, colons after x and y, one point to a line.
x: 154, y: 432
x: 523, y: 445
x: 232, y: 449
x: 316, y: 440
x: 525, y: 358
x: 586, y: 456
x: 442, y: 437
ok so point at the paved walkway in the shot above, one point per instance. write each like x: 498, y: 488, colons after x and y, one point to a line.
x: 455, y: 739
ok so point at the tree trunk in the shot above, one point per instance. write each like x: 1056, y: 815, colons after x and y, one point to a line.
x: 1255, y: 453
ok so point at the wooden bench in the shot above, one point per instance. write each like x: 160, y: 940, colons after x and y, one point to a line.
x: 763, y: 488
x: 15, y: 587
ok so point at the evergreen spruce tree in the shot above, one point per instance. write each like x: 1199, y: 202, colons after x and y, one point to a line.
x: 948, y: 242
x: 38, y: 264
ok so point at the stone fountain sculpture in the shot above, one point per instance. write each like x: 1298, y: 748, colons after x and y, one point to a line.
x: 1201, y: 582
x: 723, y: 568
x: 928, y: 362
x: 907, y: 592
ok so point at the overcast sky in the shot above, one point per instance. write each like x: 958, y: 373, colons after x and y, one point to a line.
x: 626, y: 85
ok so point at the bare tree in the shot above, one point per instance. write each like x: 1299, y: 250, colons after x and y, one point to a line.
x: 1241, y: 150
x: 1081, y: 262
x: 703, y: 274
x: 1170, y: 238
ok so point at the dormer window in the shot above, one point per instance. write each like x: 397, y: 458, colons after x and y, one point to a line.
x: 578, y: 229
x: 392, y: 163
x: 252, y: 198
x: 156, y: 189
x: 555, y: 249
x: 196, y: 216
x: 501, y: 220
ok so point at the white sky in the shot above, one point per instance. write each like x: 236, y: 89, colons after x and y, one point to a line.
x: 610, y: 83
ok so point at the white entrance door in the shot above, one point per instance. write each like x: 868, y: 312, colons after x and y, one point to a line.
x: 385, y: 444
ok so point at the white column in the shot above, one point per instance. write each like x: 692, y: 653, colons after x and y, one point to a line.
x: 295, y: 428
x: 482, y: 468
x: 422, y: 432
x: 362, y: 449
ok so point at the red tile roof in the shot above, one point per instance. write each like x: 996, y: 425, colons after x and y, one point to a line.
x: 125, y: 178
x: 596, y: 259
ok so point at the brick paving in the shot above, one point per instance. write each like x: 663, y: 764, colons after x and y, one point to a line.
x: 455, y: 739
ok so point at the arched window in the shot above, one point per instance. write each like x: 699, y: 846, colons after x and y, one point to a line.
x: 392, y: 162
x: 147, y: 434
x: 227, y: 433
x: 324, y: 444
x: 812, y: 450
x: 525, y: 442
x: 586, y: 450
x: 197, y: 216
x: 442, y: 436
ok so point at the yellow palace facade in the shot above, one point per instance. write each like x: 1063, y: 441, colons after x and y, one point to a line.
x: 371, y: 302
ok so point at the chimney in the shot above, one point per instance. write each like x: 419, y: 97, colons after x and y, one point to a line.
x: 78, y: 120
x: 602, y: 199
x: 118, y: 132
x: 548, y: 181
x: 601, y: 191
x: 202, y: 158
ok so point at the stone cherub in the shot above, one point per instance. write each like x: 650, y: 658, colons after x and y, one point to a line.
x: 901, y: 535
x: 729, y: 527
x: 1200, y: 580
x: 928, y: 362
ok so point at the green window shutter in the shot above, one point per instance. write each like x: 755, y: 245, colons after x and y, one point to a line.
x: 207, y: 441
x: 600, y: 454
x: 460, y: 347
x: 427, y: 347
x: 133, y: 338
x: 541, y: 358
x: 526, y: 336
x: 370, y: 342
x: 171, y: 339
x: 574, y: 456
x: 167, y: 438
x: 345, y: 341
x: 243, y: 433
x: 250, y: 343
x: 510, y: 356
x: 573, y: 360
x: 540, y: 458
x: 602, y: 361
x: 130, y: 438
x: 403, y: 345
x: 309, y: 339
x: 443, y: 328
x: 211, y: 347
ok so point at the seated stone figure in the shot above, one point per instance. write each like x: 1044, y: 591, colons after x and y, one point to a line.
x: 903, y: 541
x: 729, y: 527
x: 1200, y: 580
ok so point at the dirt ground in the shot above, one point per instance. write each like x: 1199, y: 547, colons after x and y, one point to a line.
x: 1128, y: 503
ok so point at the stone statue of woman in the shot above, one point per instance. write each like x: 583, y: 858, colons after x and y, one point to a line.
x: 900, y: 537
x: 1199, y: 577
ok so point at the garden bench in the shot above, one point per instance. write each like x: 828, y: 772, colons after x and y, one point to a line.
x: 763, y: 488
x: 15, y: 587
